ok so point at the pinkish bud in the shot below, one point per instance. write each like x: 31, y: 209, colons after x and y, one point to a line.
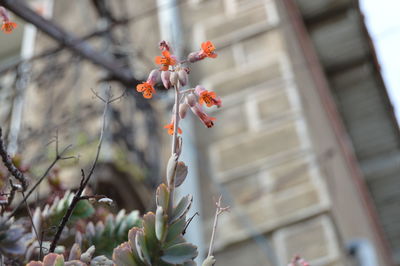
x: 154, y: 77
x: 183, y: 109
x: 173, y: 78
x: 199, y: 89
x: 3, y: 14
x: 183, y: 77
x: 204, y: 118
x: 191, y: 99
x: 164, y: 45
x: 195, y: 56
x: 165, y: 76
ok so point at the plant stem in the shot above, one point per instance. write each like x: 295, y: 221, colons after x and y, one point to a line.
x: 174, y: 146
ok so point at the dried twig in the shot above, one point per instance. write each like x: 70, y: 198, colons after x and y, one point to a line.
x: 218, y: 211
x: 59, y: 156
x: 14, y: 171
x: 85, y: 179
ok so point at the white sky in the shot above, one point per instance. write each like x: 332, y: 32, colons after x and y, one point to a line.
x: 383, y: 22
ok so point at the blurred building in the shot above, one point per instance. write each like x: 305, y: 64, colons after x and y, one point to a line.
x: 305, y: 148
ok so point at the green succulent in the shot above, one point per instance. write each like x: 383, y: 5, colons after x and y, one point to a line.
x: 114, y: 231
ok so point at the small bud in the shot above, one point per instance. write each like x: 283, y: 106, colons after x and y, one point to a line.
x: 191, y: 99
x: 195, y: 56
x: 173, y: 78
x: 183, y: 109
x: 154, y: 77
x: 165, y: 76
x: 164, y: 45
x: 199, y: 89
x: 183, y: 77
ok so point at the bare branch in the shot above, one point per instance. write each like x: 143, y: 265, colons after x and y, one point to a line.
x: 71, y: 42
x: 218, y: 211
x: 45, y: 174
x: 14, y: 171
x: 85, y: 179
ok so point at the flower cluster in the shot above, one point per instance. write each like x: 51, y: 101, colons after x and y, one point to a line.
x: 174, y: 74
x: 8, y: 26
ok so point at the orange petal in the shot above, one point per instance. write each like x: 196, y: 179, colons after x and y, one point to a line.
x: 166, y: 53
x: 158, y: 60
x: 147, y: 94
x: 179, y: 130
x: 140, y: 87
x: 213, y: 55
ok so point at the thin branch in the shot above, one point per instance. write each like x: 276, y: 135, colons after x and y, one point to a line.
x: 218, y: 211
x: 85, y: 179
x: 14, y: 171
x: 39, y: 181
x: 188, y: 222
x: 71, y: 42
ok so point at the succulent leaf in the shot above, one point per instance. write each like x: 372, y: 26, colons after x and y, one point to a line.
x: 161, y: 224
x: 171, y: 167
x: 175, y: 229
x: 162, y: 196
x: 180, y: 253
x: 181, y: 173
x: 182, y: 208
x: 122, y: 255
x: 141, y: 247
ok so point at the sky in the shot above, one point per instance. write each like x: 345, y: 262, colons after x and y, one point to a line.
x: 383, y: 21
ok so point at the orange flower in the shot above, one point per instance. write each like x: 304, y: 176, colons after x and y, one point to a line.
x: 8, y: 26
x: 209, y: 98
x: 147, y: 89
x: 166, y: 60
x: 208, y: 49
x: 170, y: 128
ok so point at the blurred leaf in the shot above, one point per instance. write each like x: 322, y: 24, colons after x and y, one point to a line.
x: 181, y: 173
x: 122, y: 255
x: 161, y: 224
x: 162, y: 196
x: 182, y: 208
x: 180, y: 253
x: 175, y: 230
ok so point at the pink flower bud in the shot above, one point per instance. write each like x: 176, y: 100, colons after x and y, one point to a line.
x: 199, y: 89
x: 3, y: 14
x: 183, y: 77
x: 195, y: 56
x: 173, y: 78
x: 154, y: 77
x: 164, y: 45
x: 165, y: 76
x: 183, y: 110
x: 191, y: 99
x: 204, y: 118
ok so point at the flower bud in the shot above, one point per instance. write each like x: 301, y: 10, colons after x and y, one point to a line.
x: 173, y: 78
x: 191, y: 99
x: 195, y: 56
x: 154, y: 77
x: 165, y: 76
x: 183, y: 109
x: 199, y: 89
x: 183, y: 77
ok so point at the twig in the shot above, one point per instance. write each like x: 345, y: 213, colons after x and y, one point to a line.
x: 218, y: 211
x: 85, y: 179
x: 11, y: 195
x: 30, y: 217
x: 188, y: 222
x: 14, y: 171
x: 39, y: 181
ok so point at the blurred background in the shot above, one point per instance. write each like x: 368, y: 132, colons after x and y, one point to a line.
x: 306, y: 148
